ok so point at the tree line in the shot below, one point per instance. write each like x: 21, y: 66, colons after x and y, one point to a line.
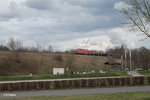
x: 18, y: 45
x: 140, y: 56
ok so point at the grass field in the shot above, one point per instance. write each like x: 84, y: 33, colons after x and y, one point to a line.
x: 114, y: 96
x: 145, y: 72
x: 46, y: 76
x: 21, y: 63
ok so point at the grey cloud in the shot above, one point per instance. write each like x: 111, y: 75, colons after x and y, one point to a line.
x: 62, y: 22
x: 94, y: 6
x: 41, y: 4
x: 77, y: 15
x: 91, y: 3
x: 11, y: 12
x: 37, y: 4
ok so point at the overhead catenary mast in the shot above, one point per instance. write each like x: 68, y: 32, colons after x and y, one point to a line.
x: 130, y: 60
x: 125, y: 55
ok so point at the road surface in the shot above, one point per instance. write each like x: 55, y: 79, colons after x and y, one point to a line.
x: 74, y: 92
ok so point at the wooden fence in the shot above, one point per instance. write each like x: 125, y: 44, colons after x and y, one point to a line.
x: 74, y: 83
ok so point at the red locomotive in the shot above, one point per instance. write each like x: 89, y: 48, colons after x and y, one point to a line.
x: 89, y: 52
x: 83, y: 51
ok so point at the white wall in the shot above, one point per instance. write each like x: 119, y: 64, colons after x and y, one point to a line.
x: 58, y: 71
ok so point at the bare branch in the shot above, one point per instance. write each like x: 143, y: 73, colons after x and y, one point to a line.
x: 139, y: 15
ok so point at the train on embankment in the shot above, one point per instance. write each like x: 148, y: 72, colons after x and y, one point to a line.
x: 89, y: 52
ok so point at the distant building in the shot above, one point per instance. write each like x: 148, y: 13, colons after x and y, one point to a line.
x: 112, y: 64
x: 58, y: 71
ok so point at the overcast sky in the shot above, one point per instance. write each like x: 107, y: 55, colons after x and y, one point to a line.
x: 66, y: 24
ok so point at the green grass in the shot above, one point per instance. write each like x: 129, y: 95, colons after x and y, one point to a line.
x: 113, y: 96
x: 46, y: 76
x: 145, y: 72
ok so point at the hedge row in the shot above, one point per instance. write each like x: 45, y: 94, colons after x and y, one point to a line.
x: 75, y: 83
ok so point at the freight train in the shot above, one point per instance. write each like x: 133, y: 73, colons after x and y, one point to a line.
x: 89, y: 52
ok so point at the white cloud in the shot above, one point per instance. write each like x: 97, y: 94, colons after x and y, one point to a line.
x: 122, y: 6
x: 104, y: 39
x: 66, y: 24
x: 9, y: 10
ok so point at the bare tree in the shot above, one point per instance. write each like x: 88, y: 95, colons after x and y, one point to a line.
x: 50, y: 48
x: 11, y: 44
x: 3, y: 48
x: 138, y: 15
x: 19, y: 45
x: 14, y: 44
x: 38, y: 47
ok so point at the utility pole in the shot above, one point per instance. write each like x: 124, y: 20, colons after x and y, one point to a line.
x: 130, y: 60
x: 121, y: 62
x: 125, y: 55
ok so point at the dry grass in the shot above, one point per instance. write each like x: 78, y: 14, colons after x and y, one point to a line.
x: 13, y: 63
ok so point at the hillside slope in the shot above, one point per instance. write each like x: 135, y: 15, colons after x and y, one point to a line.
x: 12, y: 63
